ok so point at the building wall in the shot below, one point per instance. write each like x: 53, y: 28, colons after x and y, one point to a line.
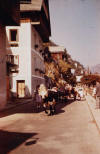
x: 2, y: 68
x: 24, y: 52
x: 37, y: 59
x: 34, y: 5
x: 9, y: 14
x: 29, y: 58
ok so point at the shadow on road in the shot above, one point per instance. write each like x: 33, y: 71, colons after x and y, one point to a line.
x: 11, y: 140
x: 28, y: 108
x: 61, y: 105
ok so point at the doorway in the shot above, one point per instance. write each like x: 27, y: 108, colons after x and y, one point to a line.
x: 21, y: 88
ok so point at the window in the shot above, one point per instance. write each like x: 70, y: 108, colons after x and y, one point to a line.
x: 13, y: 37
x: 25, y: 1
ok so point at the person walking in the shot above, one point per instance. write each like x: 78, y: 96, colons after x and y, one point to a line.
x: 94, y: 92
x: 43, y: 92
x: 38, y: 99
x: 97, y: 95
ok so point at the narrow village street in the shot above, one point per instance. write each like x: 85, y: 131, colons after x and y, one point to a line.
x: 71, y: 131
x: 49, y: 77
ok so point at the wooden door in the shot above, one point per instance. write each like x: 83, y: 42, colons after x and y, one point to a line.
x: 21, y: 89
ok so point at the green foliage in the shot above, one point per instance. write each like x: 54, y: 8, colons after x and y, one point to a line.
x: 69, y: 77
x: 90, y: 79
x: 47, y: 55
x: 63, y: 66
x: 52, y: 71
x: 60, y: 70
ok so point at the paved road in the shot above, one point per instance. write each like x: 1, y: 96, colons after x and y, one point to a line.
x: 71, y: 131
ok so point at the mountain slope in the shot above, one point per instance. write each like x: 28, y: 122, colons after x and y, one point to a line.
x: 95, y: 69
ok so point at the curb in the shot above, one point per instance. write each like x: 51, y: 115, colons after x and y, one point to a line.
x: 95, y: 112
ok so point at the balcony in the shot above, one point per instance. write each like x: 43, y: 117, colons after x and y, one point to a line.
x: 12, y: 60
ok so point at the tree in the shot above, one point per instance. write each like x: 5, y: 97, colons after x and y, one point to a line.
x: 90, y: 79
x: 52, y: 71
x: 63, y: 66
x: 47, y: 55
x: 59, y: 70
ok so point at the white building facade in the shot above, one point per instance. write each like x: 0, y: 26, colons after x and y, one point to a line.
x: 26, y: 45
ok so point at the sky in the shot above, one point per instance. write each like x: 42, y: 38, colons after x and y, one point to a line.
x: 75, y: 24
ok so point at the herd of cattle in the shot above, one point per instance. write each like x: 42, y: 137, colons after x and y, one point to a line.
x: 49, y: 98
